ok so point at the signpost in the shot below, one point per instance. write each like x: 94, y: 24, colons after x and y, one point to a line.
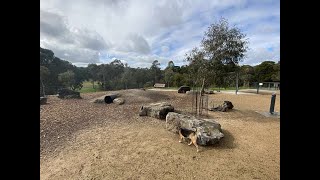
x: 273, y: 100
x: 260, y: 84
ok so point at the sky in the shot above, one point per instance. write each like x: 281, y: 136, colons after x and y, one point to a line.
x: 140, y: 31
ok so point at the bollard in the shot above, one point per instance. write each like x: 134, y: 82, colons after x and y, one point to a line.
x: 273, y: 100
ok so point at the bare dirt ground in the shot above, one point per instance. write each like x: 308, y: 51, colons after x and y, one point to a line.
x: 82, y: 140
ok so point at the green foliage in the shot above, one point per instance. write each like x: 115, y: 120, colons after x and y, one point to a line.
x: 276, y: 75
x: 67, y: 78
x: 199, y: 67
x: 168, y: 74
x: 246, y: 75
x: 224, y: 43
x: 223, y: 47
x: 115, y: 75
x: 267, y: 71
x: 155, y: 70
x: 51, y: 67
x: 89, y: 86
x: 170, y: 64
x: 44, y: 72
x: 147, y: 85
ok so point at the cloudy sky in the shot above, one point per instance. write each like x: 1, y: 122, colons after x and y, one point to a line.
x: 141, y: 31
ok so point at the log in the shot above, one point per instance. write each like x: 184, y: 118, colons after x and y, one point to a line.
x: 156, y: 110
x: 109, y: 98
x: 208, y: 131
x: 105, y: 98
x: 98, y: 100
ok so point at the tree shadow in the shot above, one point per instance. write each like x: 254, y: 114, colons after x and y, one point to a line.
x: 227, y: 142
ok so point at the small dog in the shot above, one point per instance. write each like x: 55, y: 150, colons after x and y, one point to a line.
x: 188, y: 134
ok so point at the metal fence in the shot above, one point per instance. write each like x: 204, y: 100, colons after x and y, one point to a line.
x: 267, y: 85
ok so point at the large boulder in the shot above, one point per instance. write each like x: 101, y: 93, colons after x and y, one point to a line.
x: 118, y: 101
x: 68, y: 94
x: 224, y: 107
x: 208, y: 131
x: 156, y: 110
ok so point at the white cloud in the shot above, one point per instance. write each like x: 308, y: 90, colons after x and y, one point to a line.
x: 67, y: 42
x: 262, y: 54
x: 140, y: 31
x: 133, y: 43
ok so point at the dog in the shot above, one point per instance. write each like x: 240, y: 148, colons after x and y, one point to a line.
x: 186, y: 134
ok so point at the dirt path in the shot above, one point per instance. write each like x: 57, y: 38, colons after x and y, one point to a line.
x: 113, y: 142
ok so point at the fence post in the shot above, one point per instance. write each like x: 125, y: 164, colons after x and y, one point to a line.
x: 273, y: 100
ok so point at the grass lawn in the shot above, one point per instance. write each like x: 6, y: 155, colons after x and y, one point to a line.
x: 87, y: 87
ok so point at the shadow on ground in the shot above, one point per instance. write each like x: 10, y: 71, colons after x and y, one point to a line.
x: 227, y: 142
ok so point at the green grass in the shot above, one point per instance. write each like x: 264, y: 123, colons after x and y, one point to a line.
x: 229, y: 88
x: 175, y: 88
x: 87, y: 87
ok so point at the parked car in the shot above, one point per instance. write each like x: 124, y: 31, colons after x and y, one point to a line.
x: 183, y: 89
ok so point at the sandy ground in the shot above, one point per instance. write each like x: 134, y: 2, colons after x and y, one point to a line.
x: 81, y: 140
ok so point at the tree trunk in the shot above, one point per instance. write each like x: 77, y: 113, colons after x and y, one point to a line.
x: 208, y: 131
x: 202, y: 87
x: 237, y: 81
x: 42, y: 87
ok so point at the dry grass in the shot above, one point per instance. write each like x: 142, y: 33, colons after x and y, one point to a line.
x: 81, y: 140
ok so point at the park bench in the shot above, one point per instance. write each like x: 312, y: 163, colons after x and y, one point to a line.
x: 158, y: 85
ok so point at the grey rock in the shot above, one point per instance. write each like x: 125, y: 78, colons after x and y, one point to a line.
x: 98, y: 100
x: 156, y: 110
x: 208, y: 131
x: 227, y: 105
x: 118, y: 101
